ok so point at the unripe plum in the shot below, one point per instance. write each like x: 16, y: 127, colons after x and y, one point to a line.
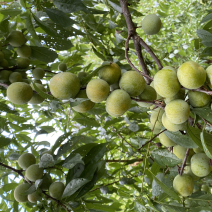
x: 209, y: 75
x: 187, y: 170
x: 4, y: 75
x: 200, y: 165
x: 156, y: 120
x: 34, y: 173
x: 15, y: 77
x: 97, y: 90
x: 4, y: 63
x: 16, y: 38
x: 184, y: 185
x: 1, y: 56
x: 191, y: 75
x: 23, y: 74
x: 198, y: 150
x: 158, y: 95
x: 38, y: 73
x: 62, y: 67
x: 36, y: 98
x: 47, y: 181
x: 19, y: 192
x: 24, y: 51
x: 179, y: 151
x: 151, y: 24
x: 19, y: 92
x: 166, y: 83
x: 170, y: 68
x: 132, y: 82
x: 22, y: 62
x: 205, y: 188
x: 179, y: 95
x: 177, y: 111
x: 64, y: 85
x: 81, y: 75
x: 34, y: 197
x: 110, y: 73
x: 56, y: 190
x: 198, y: 99
x: 26, y: 160
x: 167, y: 142
x: 118, y: 103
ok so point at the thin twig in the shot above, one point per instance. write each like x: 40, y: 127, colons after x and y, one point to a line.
x: 184, y: 161
x: 13, y: 169
x: 154, y: 102
x: 200, y: 90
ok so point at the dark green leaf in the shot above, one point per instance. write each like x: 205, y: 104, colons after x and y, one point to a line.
x: 205, y: 113
x: 194, y: 133
x: 206, y: 143
x: 204, y: 35
x: 72, y: 161
x: 206, y: 18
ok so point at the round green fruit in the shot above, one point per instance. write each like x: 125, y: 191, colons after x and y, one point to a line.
x: 132, y: 82
x: 198, y: 99
x: 170, y: 68
x: 179, y: 95
x: 34, y: 173
x: 34, y: 197
x: 19, y: 92
x: 187, y: 170
x: 24, y: 51
x: 167, y: 142
x: 209, y: 75
x: 56, y: 190
x: 38, y: 73
x: 198, y: 150
x: 62, y: 67
x: 26, y: 160
x: 151, y: 24
x: 64, y: 85
x: 205, y: 188
x: 191, y: 75
x: 110, y: 73
x: 81, y: 75
x: 4, y: 75
x: 22, y: 62
x: 16, y: 38
x: 4, y: 63
x: 47, y: 181
x: 15, y: 77
x: 36, y: 98
x: 1, y: 56
x: 179, y: 151
x: 19, y: 192
x: 158, y: 95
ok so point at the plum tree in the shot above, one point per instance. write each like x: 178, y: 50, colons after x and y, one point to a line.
x: 177, y: 111
x: 4, y: 75
x: 200, y: 165
x: 22, y: 62
x: 85, y: 105
x: 132, y: 82
x: 62, y: 67
x: 26, y: 160
x: 191, y: 75
x: 179, y: 95
x: 47, y: 181
x: 36, y: 98
x: 64, y: 85
x: 187, y: 170
x: 110, y: 73
x: 19, y: 92
x: 118, y: 103
x: 198, y: 99
x: 179, y: 151
x: 97, y: 90
x: 15, y: 77
x: 34, y: 197
x: 24, y: 51
x: 151, y: 24
x: 19, y: 194
x: 166, y: 141
x: 56, y: 190
x: 34, y: 173
x: 81, y: 75
x: 38, y: 73
x: 16, y: 38
x: 166, y: 83
x: 183, y: 184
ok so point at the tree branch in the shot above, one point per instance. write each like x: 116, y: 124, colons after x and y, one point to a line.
x: 154, y: 102
x: 13, y: 169
x: 184, y: 161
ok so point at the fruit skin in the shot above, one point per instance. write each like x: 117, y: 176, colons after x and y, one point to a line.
x: 81, y: 75
x: 149, y: 94
x: 179, y: 151
x: 198, y: 150
x: 34, y: 173
x: 158, y: 95
x: 4, y: 75
x: 19, y: 92
x: 62, y: 67
x: 4, y: 63
x: 84, y: 106
x: 1, y: 56
x: 38, y: 73
x: 34, y: 197
x: 26, y: 160
x: 191, y: 75
x: 36, y: 98
x: 118, y: 103
x: 209, y: 75
x: 177, y: 111
x: 24, y: 51
x: 110, y: 73
x: 166, y: 141
x: 200, y: 165
x: 170, y: 68
x: 166, y: 83
x: 19, y: 190
x: 132, y: 82
x: 64, y: 85
x: 198, y: 99
x: 56, y: 190
x: 156, y: 120
x: 184, y: 185
x: 15, y: 77
x: 187, y: 170
x: 97, y: 90
x: 22, y: 62
x: 151, y: 24
x: 47, y: 181
x: 205, y: 188
x: 179, y: 95
x: 16, y: 38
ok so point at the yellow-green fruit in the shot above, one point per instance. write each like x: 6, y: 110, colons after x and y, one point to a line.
x: 184, y: 185
x: 179, y: 151
x: 114, y: 86
x: 209, y: 75
x: 22, y: 62
x: 64, y: 85
x: 56, y: 190
x: 16, y: 38
x: 171, y: 126
x: 62, y: 67
x: 36, y: 98
x: 205, y: 188
x: 156, y: 120
x: 187, y: 170
x: 158, y: 95
x: 118, y: 103
x: 198, y: 99
x: 97, y: 90
x: 47, y: 181
x: 34, y: 173
x: 110, y: 73
x: 198, y: 150
x: 179, y: 95
x: 132, y: 82
x: 4, y: 63
x: 34, y: 197
x: 81, y: 75
x: 191, y: 75
x: 200, y: 165
x: 23, y: 74
x: 19, y: 92
x: 83, y: 106
x: 170, y: 68
x: 4, y: 75
x: 19, y: 192
x: 26, y: 160
x: 1, y: 56
x: 24, y: 51
x: 38, y: 73
x: 149, y: 94
x: 166, y: 83
x: 177, y: 111
x: 166, y: 141
x: 15, y: 77
x: 151, y: 24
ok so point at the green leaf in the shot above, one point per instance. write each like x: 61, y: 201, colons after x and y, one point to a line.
x: 206, y: 18
x: 77, y: 101
x: 98, y: 54
x: 165, y: 158
x: 14, y: 156
x: 115, y: 6
x: 73, y: 159
x: 204, y: 35
x: 4, y: 25
x: 6, y: 108
x: 4, y: 141
x: 205, y: 113
x: 10, y: 12
x: 85, y: 121
x: 9, y: 187
x: 194, y: 133
x: 206, y: 143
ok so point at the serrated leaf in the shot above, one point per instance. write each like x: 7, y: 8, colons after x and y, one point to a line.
x: 98, y: 54
x: 206, y: 143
